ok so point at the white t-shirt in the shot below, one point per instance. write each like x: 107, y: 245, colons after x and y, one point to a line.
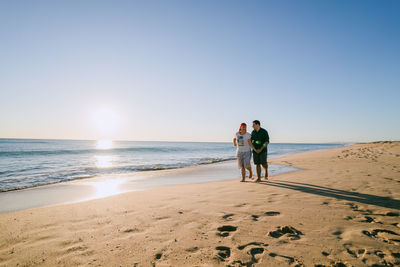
x: 243, y: 142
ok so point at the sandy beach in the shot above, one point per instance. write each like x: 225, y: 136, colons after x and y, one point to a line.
x: 340, y: 209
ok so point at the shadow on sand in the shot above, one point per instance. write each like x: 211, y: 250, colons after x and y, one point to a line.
x: 386, y: 202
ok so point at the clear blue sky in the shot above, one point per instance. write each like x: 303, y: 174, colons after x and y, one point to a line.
x: 310, y: 71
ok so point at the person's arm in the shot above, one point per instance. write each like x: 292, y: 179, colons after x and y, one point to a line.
x: 264, y: 146
x: 251, y: 145
x: 234, y: 141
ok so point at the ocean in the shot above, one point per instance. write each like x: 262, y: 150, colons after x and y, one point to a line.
x: 27, y: 163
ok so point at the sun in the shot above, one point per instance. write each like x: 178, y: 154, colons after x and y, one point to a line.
x: 104, y: 144
x: 106, y: 122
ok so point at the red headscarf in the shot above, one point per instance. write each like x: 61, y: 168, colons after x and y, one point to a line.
x: 242, y: 124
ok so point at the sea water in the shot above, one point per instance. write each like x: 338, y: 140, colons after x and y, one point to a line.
x: 30, y: 162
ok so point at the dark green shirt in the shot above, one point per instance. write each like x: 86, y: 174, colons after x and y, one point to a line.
x: 259, y: 138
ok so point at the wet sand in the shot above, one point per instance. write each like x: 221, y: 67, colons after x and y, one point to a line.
x: 341, y: 209
x: 105, y: 186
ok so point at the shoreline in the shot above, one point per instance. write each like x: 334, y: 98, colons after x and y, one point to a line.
x: 271, y: 157
x: 113, y: 174
x: 105, y: 186
x: 85, y: 189
x: 109, y: 164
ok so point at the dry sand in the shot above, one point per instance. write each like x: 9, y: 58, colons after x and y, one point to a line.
x: 340, y: 209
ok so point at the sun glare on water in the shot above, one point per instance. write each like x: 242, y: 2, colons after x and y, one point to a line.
x: 107, y: 188
x: 104, y: 161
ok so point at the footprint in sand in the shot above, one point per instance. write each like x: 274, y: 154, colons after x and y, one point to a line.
x: 368, y: 219
x: 158, y: 256
x: 228, y: 217
x: 223, y: 252
x: 349, y: 218
x: 334, y: 264
x: 396, y: 255
x: 290, y: 231
x: 384, y: 235
x: 292, y: 261
x: 77, y: 248
x: 225, y: 230
x: 252, y: 244
x: 389, y: 179
x: 364, y: 219
x: 355, y: 207
x: 356, y: 253
x: 326, y: 254
x: 268, y: 213
x: 379, y: 253
x: 253, y: 252
x: 388, y: 258
x: 338, y: 233
x: 193, y: 249
x: 131, y: 230
x: 272, y: 213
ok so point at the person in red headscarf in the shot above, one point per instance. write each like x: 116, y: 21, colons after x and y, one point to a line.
x: 242, y: 142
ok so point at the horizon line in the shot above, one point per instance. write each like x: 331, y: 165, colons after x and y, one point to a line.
x: 118, y: 140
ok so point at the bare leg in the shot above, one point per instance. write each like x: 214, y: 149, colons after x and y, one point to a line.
x: 258, y: 167
x: 250, y: 173
x: 265, y: 166
x: 243, y: 174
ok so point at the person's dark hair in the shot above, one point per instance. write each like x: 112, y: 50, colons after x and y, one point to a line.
x: 257, y: 122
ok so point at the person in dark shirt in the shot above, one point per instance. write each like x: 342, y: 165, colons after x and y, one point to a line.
x: 259, y: 143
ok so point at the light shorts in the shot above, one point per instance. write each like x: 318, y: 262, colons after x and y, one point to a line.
x: 244, y: 159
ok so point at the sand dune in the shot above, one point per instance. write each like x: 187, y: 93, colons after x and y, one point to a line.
x: 341, y: 209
